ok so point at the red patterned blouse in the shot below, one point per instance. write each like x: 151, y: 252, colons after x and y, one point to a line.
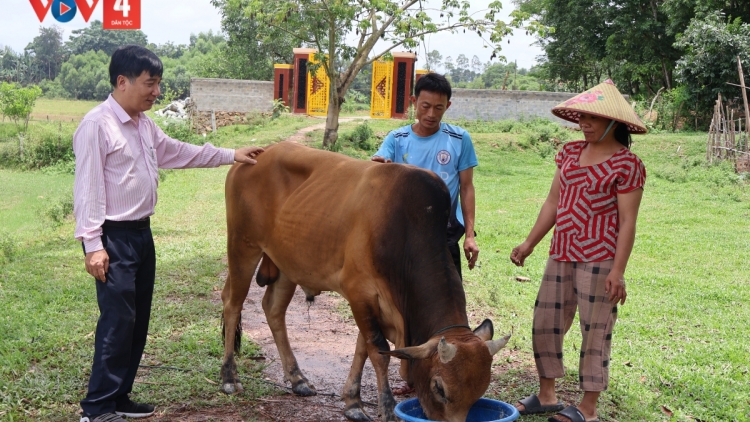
x: 587, y: 223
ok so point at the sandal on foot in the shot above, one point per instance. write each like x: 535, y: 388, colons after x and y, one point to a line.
x: 533, y: 406
x: 573, y: 413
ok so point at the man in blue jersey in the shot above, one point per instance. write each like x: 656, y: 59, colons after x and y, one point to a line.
x: 447, y: 151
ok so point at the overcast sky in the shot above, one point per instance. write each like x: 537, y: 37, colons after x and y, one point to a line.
x: 175, y: 20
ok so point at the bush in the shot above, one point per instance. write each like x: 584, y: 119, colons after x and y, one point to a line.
x: 538, y: 133
x: 179, y: 129
x: 57, y: 211
x: 360, y: 137
x: 8, y: 247
x: 53, y: 89
x: 17, y: 102
x: 278, y: 108
x: 45, y: 145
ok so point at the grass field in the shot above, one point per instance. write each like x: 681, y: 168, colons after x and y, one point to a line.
x: 63, y: 110
x: 681, y: 342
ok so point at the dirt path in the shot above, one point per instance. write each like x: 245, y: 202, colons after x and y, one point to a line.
x: 301, y: 135
x: 323, y: 341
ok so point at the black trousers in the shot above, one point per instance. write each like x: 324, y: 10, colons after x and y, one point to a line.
x: 124, y: 312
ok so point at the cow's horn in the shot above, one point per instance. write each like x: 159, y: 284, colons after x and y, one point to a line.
x: 446, y: 351
x: 496, y: 345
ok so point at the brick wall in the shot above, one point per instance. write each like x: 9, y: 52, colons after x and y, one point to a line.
x: 231, y: 95
x: 491, y: 104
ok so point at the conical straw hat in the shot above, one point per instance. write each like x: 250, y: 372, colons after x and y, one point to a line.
x: 603, y: 100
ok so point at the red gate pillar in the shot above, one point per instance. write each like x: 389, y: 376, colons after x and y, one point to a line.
x: 420, y: 73
x: 301, y: 76
x: 403, y: 83
x: 283, y: 75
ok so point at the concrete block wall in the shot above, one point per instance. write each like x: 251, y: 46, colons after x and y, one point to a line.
x: 231, y: 95
x: 492, y: 104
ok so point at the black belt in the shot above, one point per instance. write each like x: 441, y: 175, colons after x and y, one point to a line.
x: 135, y: 224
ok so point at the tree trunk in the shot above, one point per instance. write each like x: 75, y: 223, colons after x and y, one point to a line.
x: 331, y: 134
x: 667, y: 78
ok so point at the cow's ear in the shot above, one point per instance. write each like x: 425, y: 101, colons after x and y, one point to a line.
x: 485, y: 331
x: 415, y: 352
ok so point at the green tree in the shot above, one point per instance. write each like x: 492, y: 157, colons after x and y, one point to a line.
x: 96, y: 38
x: 448, y: 64
x: 248, y: 52
x: 17, y: 102
x: 640, y: 49
x: 710, y: 60
x: 433, y: 61
x: 175, y: 80
x: 86, y: 76
x: 168, y: 50
x: 575, y: 38
x: 19, y: 67
x: 8, y: 60
x: 681, y: 12
x: 48, y: 50
x: 630, y: 41
x: 327, y: 24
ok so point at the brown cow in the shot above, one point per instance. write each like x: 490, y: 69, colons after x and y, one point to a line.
x: 375, y: 234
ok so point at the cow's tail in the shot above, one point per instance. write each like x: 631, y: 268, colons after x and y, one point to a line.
x: 237, y: 333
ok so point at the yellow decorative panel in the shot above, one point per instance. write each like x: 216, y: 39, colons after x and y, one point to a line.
x: 382, y: 89
x: 318, y: 90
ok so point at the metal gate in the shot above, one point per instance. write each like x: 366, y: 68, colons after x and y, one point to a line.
x: 382, y: 89
x: 318, y: 90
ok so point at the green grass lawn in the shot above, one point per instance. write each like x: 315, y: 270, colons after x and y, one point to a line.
x: 681, y: 340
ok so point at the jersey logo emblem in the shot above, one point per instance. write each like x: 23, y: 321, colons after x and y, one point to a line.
x: 443, y: 157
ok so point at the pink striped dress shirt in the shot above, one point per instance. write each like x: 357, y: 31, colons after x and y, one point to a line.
x: 117, y: 164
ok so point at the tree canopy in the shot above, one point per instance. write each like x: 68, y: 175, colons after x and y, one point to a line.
x: 48, y: 50
x: 95, y: 38
x: 643, y: 45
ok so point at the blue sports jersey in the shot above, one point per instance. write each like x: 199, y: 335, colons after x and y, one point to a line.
x: 446, y: 153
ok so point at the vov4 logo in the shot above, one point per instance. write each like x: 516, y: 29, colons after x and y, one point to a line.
x: 118, y: 14
x: 63, y: 10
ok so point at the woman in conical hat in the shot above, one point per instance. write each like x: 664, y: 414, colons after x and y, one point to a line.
x: 593, y: 205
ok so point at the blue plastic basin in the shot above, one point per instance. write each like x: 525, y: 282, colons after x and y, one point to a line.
x: 484, y: 410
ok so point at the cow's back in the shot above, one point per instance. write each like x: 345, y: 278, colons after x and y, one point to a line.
x: 311, y: 210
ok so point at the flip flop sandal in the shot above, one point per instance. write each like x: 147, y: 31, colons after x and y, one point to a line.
x: 573, y: 413
x: 533, y: 406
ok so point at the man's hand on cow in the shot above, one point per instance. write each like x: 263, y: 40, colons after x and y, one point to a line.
x: 471, y: 250
x: 380, y: 159
x: 97, y: 264
x: 520, y: 252
x: 247, y: 154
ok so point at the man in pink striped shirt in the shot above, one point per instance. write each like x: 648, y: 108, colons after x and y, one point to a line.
x: 118, y: 153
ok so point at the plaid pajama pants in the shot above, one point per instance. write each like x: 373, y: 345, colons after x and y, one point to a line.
x: 565, y: 287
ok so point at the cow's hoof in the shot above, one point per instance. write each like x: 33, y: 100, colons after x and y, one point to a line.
x: 304, y: 389
x: 232, y: 388
x: 357, y: 414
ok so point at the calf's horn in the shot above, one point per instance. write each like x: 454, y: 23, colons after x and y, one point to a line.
x: 496, y: 345
x: 446, y: 351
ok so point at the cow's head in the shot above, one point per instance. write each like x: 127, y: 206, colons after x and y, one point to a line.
x: 451, y: 372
